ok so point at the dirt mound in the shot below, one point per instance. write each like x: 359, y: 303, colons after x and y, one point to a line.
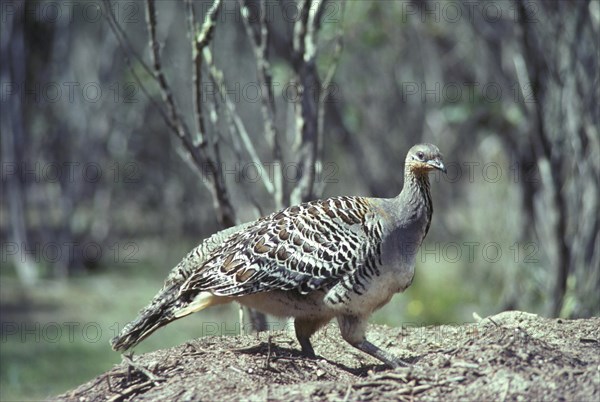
x: 509, y: 356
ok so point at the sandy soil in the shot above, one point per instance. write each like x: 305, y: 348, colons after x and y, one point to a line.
x: 509, y: 356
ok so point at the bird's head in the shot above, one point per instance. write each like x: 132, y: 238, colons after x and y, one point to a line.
x: 423, y: 158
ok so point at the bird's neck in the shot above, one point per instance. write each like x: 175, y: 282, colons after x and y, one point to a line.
x: 416, y: 196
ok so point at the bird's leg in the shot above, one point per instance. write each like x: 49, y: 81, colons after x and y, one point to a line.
x: 304, y: 329
x: 353, y: 331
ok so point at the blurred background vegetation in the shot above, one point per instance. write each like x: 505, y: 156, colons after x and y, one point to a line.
x: 107, y: 183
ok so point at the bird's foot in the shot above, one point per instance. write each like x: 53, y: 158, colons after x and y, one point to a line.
x: 387, y: 358
x: 307, y: 349
x: 396, y: 362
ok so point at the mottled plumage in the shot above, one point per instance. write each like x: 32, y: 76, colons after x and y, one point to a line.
x: 341, y: 257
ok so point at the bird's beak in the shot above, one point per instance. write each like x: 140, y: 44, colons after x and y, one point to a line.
x: 438, y: 164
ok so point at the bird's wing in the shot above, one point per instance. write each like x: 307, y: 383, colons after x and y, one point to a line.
x: 199, y: 255
x: 305, y: 247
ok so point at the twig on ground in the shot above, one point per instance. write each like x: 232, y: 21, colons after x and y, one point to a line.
x: 110, y: 388
x: 268, y: 358
x: 237, y: 370
x: 150, y: 375
x: 130, y: 390
x: 348, y: 392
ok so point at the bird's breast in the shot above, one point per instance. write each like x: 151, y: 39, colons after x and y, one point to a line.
x: 398, y: 256
x: 376, y: 294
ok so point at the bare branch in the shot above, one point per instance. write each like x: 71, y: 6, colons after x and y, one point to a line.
x: 158, y: 72
x: 304, y: 64
x: 127, y: 48
x: 123, y: 38
x: 337, y: 53
x: 217, y: 77
x: 199, y: 41
x: 12, y: 125
x: 208, y: 166
x: 260, y: 46
x: 539, y: 72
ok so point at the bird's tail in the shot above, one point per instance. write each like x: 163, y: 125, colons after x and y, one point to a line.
x: 168, y: 305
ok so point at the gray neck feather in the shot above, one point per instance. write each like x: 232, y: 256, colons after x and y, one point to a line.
x: 415, y: 199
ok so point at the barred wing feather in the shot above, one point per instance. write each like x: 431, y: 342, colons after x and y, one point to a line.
x: 305, y: 247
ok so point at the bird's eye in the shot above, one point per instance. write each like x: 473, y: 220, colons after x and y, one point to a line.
x: 420, y: 155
